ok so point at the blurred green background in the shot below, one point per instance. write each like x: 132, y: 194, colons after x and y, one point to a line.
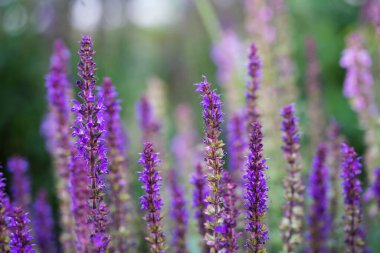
x: 138, y: 39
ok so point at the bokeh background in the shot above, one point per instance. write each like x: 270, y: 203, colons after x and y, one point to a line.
x: 142, y: 41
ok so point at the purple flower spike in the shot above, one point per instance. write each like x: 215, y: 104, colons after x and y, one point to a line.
x: 199, y: 201
x: 117, y: 145
x: 56, y: 130
x: 88, y: 130
x: 18, y: 166
x: 256, y: 195
x: 4, y: 210
x: 237, y: 145
x: 254, y: 71
x: 230, y: 214
x: 19, y: 231
x: 178, y: 213
x: 376, y: 186
x: 291, y: 224
x: 146, y: 119
x: 212, y: 119
x: 353, y: 238
x: 44, y: 224
x: 151, y: 202
x: 319, y: 219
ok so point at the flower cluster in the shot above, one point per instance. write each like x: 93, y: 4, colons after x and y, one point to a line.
x: 4, y: 209
x: 256, y: 195
x: 151, y: 202
x: 18, y: 166
x: 19, y: 231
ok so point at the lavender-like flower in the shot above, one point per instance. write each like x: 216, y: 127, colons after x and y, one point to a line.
x: 116, y: 143
x: 88, y: 129
x: 178, y: 213
x: 44, y: 224
x: 212, y: 118
x: 256, y: 195
x: 4, y: 210
x: 58, y: 137
x: 319, y: 219
x: 19, y: 231
x: 146, y: 119
x: 376, y: 186
x: 199, y: 202
x: 80, y: 194
x: 251, y: 96
x: 230, y: 214
x: 236, y: 145
x: 353, y: 238
x: 151, y: 201
x: 291, y: 224
x: 20, y: 188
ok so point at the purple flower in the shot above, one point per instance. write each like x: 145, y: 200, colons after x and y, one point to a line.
x: 353, y: 234
x: 200, y: 193
x: 116, y: 143
x: 19, y: 231
x: 256, y: 195
x: 358, y: 82
x: 44, y: 224
x: 56, y: 129
x: 146, y: 119
x: 4, y: 210
x: 293, y: 208
x: 212, y: 119
x: 319, y: 219
x: 20, y: 188
x: 230, y: 214
x: 178, y: 214
x: 151, y: 202
x: 376, y: 186
x: 88, y: 130
x: 236, y: 145
x: 251, y: 96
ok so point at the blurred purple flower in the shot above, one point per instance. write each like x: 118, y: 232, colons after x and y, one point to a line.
x: 376, y: 186
x: 319, y: 219
x: 146, y: 119
x: 256, y: 195
x: 19, y: 231
x: 88, y: 130
x: 212, y: 119
x: 291, y: 224
x: 20, y: 187
x: 43, y: 224
x: 236, y: 145
x: 353, y: 238
x: 152, y: 201
x: 4, y: 211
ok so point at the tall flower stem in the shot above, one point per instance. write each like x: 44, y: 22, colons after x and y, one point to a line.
x: 212, y: 118
x: 19, y: 231
x: 20, y: 189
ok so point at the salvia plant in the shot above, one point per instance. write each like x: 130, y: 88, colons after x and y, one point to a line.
x: 203, y: 194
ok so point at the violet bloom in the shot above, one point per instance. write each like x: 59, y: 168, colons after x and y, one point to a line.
x: 4, y: 210
x: 56, y: 129
x: 212, y: 119
x: 88, y: 129
x: 80, y: 194
x: 319, y: 219
x: 178, y: 213
x: 358, y: 82
x: 376, y: 186
x: 116, y: 143
x: 353, y: 234
x: 200, y: 193
x: 230, y: 214
x: 251, y: 96
x: 151, y: 202
x: 291, y: 224
x: 236, y: 145
x: 146, y: 119
x: 256, y: 195
x: 44, y: 224
x: 20, y: 187
x: 19, y: 231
